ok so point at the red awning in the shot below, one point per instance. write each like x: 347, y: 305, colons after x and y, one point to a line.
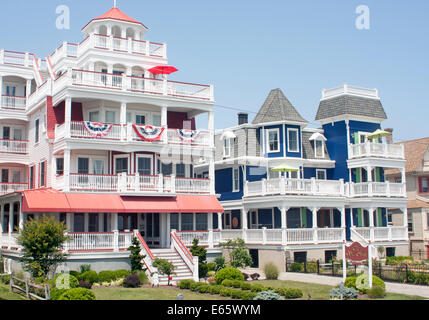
x: 163, y: 70
x: 51, y: 200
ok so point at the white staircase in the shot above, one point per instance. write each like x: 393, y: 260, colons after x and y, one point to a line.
x: 182, y: 271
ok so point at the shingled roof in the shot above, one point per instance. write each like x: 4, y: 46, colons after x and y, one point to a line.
x: 351, y: 105
x: 414, y: 152
x: 308, y: 147
x: 277, y: 108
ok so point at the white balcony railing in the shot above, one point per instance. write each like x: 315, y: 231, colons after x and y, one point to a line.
x: 12, y: 102
x: 376, y: 189
x: 382, y: 233
x: 374, y: 149
x: 135, y: 183
x: 14, y: 146
x: 294, y: 186
x: 95, y: 241
x: 199, y: 138
x: 6, y: 188
x: 16, y: 58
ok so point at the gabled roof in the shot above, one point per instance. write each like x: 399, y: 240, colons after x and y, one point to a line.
x: 277, y: 108
x: 350, y: 105
x: 414, y: 152
x: 116, y: 14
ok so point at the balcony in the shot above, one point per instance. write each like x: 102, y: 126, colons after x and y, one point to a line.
x: 282, y: 186
x: 11, y: 187
x: 13, y: 103
x: 14, y: 146
x: 14, y: 58
x: 127, y: 134
x: 140, y: 184
x: 379, y: 233
x: 376, y: 189
x: 377, y: 150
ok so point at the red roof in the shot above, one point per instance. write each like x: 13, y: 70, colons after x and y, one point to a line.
x: 51, y: 200
x: 116, y: 14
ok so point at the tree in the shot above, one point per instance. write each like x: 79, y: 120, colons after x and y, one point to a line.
x: 136, y: 258
x: 201, y: 253
x: 164, y: 267
x: 42, y: 241
x: 238, y: 254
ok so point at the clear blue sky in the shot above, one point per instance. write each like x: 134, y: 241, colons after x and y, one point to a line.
x: 247, y: 48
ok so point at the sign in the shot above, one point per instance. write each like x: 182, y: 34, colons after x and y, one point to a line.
x: 235, y: 222
x: 356, y: 252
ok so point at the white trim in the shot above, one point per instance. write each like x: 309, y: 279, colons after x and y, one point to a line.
x: 230, y: 143
x: 268, y: 131
x: 116, y: 156
x: 321, y: 170
x: 235, y: 188
x: 315, y: 149
x: 150, y: 156
x: 297, y: 141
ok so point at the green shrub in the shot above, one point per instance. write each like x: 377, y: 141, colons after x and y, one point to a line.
x: 211, y: 266
x: 227, y: 283
x: 351, y: 283
x: 268, y: 295
x: 78, y: 294
x: 419, y: 278
x: 194, y: 286
x: 220, y: 263
x: 85, y: 267
x: 61, y: 278
x: 5, y: 279
x: 228, y: 273
x: 226, y: 292
x: 215, y: 289
x: 271, y: 271
x: 203, y: 288
x: 143, y: 277
x: 89, y: 276
x: 399, y: 260
x: 247, y: 295
x: 236, y: 294
x: 296, y: 267
x: 185, y: 284
x: 75, y: 274
x: 257, y: 288
x: 132, y: 281
x: 121, y: 274
x: 348, y: 293
x: 106, y: 276
x: 312, y: 267
x: 377, y: 292
x: 290, y: 293
x: 246, y: 286
x: 57, y: 293
x: 236, y: 283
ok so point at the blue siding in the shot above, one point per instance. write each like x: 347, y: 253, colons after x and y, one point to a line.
x: 223, y: 184
x: 311, y: 173
x: 281, y: 139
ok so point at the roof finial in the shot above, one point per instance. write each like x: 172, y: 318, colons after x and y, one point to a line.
x: 114, y: 3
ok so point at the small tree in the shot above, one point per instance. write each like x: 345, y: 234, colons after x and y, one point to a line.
x: 136, y: 257
x: 201, y: 253
x: 164, y: 267
x: 238, y: 254
x: 42, y: 241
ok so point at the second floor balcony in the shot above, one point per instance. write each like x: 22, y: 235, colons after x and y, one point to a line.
x: 376, y: 189
x: 377, y: 150
x: 11, y: 187
x: 13, y: 102
x: 13, y: 146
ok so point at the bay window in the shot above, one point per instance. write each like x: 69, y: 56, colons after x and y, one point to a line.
x: 292, y: 135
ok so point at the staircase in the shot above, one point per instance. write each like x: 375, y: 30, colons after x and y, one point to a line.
x: 182, y: 271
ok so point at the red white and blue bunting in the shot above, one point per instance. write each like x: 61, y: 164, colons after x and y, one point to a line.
x: 148, y: 133
x: 188, y: 136
x: 96, y: 129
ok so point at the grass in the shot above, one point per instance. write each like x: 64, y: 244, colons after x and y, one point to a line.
x: 321, y: 292
x: 6, y: 295
x: 149, y: 294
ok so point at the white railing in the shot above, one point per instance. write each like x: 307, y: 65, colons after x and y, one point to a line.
x: 6, y: 188
x: 300, y: 235
x: 191, y: 261
x: 330, y: 234
x: 78, y: 130
x: 147, y: 254
x: 381, y: 233
x: 94, y: 241
x: 93, y: 182
x: 189, y: 236
x: 294, y: 186
x: 12, y: 102
x: 201, y: 137
x: 189, y: 90
x: 14, y: 146
x: 376, y: 189
x: 16, y: 58
x: 192, y: 185
x: 97, y: 79
x: 348, y: 89
x: 375, y: 149
x: 9, y: 241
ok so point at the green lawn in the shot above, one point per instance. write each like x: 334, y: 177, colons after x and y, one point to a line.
x: 146, y: 293
x: 321, y: 292
x: 6, y: 295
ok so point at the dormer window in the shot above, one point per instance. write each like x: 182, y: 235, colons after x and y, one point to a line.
x: 273, y: 141
x: 228, y: 143
x: 318, y: 149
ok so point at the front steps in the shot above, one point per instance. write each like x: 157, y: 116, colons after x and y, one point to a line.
x: 182, y: 270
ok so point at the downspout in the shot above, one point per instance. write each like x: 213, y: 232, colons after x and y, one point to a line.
x: 348, y: 147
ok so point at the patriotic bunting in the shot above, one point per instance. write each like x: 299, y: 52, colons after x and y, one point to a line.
x: 148, y: 133
x: 96, y: 129
x: 188, y: 136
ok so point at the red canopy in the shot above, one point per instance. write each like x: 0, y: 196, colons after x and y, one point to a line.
x: 163, y: 70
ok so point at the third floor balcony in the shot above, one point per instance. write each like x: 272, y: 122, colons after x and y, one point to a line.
x: 376, y: 150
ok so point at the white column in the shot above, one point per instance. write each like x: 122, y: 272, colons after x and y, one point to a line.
x: 123, y: 121
x: 28, y: 90
x: 10, y: 218
x: 66, y: 170
x: 69, y: 221
x: 405, y: 211
x: 244, y: 218
x: 114, y: 221
x: 21, y: 217
x: 1, y: 218
x: 211, y: 126
x: 212, y: 176
x: 86, y: 222
x: 343, y: 220
x: 314, y: 211
x: 1, y: 91
x: 371, y: 223
x: 168, y: 230
x: 101, y: 222
x: 164, y: 116
x: 284, y: 211
x: 351, y: 218
x: 219, y: 220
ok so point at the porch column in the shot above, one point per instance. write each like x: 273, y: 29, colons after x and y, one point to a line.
x: 67, y: 116
x: 212, y: 176
x: 369, y: 177
x: 343, y: 220
x: 101, y: 222
x: 10, y: 219
x: 405, y: 211
x: 314, y: 211
x: 219, y: 220
x: 168, y: 231
x: 86, y: 222
x: 371, y: 223
x: 1, y: 218
x: 283, y: 211
x: 211, y: 126
x: 28, y: 90
x: 69, y: 221
x: 21, y: 217
x: 351, y: 218
x: 123, y: 121
x: 244, y: 223
x: 114, y: 221
x: 1, y: 88
x: 66, y: 170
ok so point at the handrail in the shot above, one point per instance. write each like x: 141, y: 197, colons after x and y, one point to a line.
x: 182, y: 246
x: 144, y: 244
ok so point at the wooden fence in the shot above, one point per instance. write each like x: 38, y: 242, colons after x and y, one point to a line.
x: 31, y: 291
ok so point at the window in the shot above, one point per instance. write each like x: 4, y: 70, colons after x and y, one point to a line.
x: 273, y: 140
x: 63, y: 218
x: 79, y: 222
x: 167, y: 169
x: 98, y: 167
x: 320, y: 174
x: 129, y: 117
x: 36, y: 131
x: 227, y: 144
x: 4, y: 175
x: 424, y: 185
x: 156, y: 120
x: 42, y: 174
x: 140, y: 119
x: 60, y: 166
x: 121, y: 165
x: 17, y: 134
x: 389, y: 219
x: 362, y: 137
x: 83, y: 165
x: 292, y: 138
x: 318, y: 149
x: 93, y: 222
x: 32, y: 177
x: 94, y: 116
x: 410, y: 222
x: 187, y: 221
x: 235, y: 180
x: 201, y: 222
x: 16, y: 177
x: 110, y: 117
x: 6, y: 133
x: 144, y: 165
x: 174, y: 221
x: 180, y: 170
x: 227, y: 217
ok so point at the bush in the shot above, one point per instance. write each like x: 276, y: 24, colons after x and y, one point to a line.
x: 236, y: 283
x: 57, y: 293
x: 351, y: 283
x: 257, y: 288
x: 5, y: 279
x: 84, y: 284
x: 106, y: 276
x: 255, y: 276
x: 85, y: 267
x: 78, y: 294
x: 185, y: 284
x: 121, y: 274
x: 227, y: 283
x: 268, y: 295
x: 312, y: 267
x: 377, y: 292
x: 421, y: 278
x: 399, y: 260
x: 271, y: 271
x: 132, y: 281
x: 220, y: 263
x: 348, y: 293
x: 203, y: 288
x: 75, y: 274
x: 236, y: 294
x: 290, y: 293
x: 195, y: 286
x: 226, y: 292
x: 89, y: 276
x: 211, y: 266
x: 228, y: 273
x: 246, y: 276
x: 246, y: 286
x: 247, y: 295
x: 296, y: 267
x: 215, y: 289
x: 61, y: 278
x: 143, y: 277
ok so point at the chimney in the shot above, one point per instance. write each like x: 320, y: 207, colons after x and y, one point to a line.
x: 243, y: 118
x: 389, y: 139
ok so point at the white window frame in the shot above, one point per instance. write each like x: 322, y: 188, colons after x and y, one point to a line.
x: 115, y: 111
x: 227, y: 148
x: 228, y: 220
x: 297, y: 140
x: 315, y: 149
x: 362, y: 134
x: 321, y: 170
x: 235, y: 172
x: 149, y: 156
x: 268, y: 131
x: 116, y: 156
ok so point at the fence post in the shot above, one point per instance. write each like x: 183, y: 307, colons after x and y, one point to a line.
x: 406, y: 273
x: 286, y: 266
x: 27, y: 292
x: 305, y: 266
x: 11, y: 282
x: 318, y: 271
x: 47, y: 292
x: 333, y: 268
